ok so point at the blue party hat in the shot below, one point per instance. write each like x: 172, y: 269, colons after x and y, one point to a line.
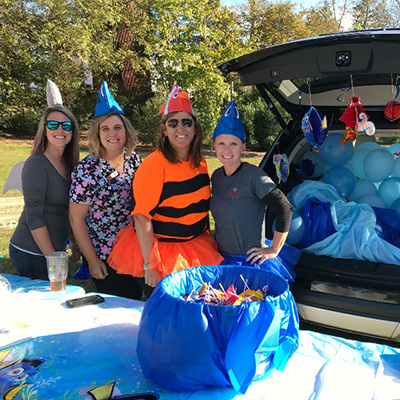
x: 230, y: 123
x: 106, y: 102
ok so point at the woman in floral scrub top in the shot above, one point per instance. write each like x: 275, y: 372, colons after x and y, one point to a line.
x: 100, y: 199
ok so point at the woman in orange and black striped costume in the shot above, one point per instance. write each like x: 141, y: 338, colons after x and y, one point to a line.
x: 171, y: 193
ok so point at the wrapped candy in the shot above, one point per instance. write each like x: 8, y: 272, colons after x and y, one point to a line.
x: 229, y: 297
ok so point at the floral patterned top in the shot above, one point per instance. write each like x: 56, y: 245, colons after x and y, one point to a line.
x: 96, y: 183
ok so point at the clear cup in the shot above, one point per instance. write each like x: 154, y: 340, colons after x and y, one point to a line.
x: 57, y: 269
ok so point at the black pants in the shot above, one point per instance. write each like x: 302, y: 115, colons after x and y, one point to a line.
x: 148, y: 290
x: 118, y: 284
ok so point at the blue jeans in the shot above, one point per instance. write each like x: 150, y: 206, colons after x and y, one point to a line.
x: 28, y: 265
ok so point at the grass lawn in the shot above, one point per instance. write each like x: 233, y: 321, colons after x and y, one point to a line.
x: 12, y: 153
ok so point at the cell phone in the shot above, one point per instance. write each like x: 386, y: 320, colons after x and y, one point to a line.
x: 85, y: 301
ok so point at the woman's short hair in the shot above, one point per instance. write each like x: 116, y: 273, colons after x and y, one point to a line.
x: 71, y: 151
x: 196, y: 146
x: 96, y: 149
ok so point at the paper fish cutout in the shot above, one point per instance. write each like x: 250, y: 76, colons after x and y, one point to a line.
x: 178, y: 100
x: 230, y: 123
x: 14, y: 180
x: 282, y: 167
x: 353, y: 110
x: 82, y: 273
x: 314, y: 127
x: 349, y: 136
x: 106, y: 102
x: 364, y: 125
x: 392, y: 111
x: 53, y: 94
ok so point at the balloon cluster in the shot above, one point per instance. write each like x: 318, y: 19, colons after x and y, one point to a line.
x: 368, y: 173
x: 229, y: 297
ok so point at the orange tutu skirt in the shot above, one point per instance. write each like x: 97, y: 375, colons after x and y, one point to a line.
x: 126, y: 255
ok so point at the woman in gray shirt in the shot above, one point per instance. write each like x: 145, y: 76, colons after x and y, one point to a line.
x: 46, y: 177
x: 239, y: 196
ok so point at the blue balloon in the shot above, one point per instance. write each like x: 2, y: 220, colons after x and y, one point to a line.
x: 389, y: 190
x: 378, y: 165
x: 296, y: 230
x: 373, y: 200
x: 362, y: 188
x: 396, y: 207
x: 342, y: 179
x: 357, y: 162
x: 333, y: 153
x: 393, y: 149
x: 368, y: 146
x: 396, y: 168
x: 312, y: 165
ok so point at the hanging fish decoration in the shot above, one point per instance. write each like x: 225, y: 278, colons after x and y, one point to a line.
x: 351, y: 113
x: 314, y: 126
x: 392, y: 110
x: 282, y: 167
x: 349, y: 136
x: 364, y: 125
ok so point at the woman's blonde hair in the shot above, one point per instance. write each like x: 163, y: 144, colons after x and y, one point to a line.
x: 71, y: 151
x: 96, y: 149
x: 196, y: 146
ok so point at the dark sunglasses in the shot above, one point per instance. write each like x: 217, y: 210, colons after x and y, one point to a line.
x: 186, y: 122
x: 53, y: 125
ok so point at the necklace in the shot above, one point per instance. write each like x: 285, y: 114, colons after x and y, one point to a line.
x: 54, y: 156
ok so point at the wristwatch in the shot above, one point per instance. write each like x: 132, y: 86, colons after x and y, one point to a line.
x: 146, y: 266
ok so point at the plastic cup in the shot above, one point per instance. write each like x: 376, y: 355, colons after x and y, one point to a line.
x: 57, y: 269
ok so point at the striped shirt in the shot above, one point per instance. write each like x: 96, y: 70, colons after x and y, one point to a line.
x: 174, y: 196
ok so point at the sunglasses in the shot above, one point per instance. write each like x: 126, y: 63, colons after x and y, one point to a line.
x: 186, y: 122
x: 53, y: 125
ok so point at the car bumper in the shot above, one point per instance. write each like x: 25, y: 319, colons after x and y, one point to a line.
x: 361, y: 316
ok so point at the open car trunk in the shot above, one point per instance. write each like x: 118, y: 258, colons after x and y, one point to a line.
x: 355, y: 295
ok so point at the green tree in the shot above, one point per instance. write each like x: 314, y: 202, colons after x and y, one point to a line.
x: 186, y: 40
x: 63, y: 41
x: 268, y: 24
x: 370, y: 14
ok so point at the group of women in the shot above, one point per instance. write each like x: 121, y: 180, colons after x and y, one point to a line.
x: 135, y: 222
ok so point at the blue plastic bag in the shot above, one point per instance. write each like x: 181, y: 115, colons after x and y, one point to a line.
x: 283, y: 264
x: 186, y: 346
x: 318, y: 222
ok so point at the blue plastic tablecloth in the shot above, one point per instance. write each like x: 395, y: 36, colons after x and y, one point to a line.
x: 90, y: 353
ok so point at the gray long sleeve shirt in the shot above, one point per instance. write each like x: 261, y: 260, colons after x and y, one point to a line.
x: 46, y: 204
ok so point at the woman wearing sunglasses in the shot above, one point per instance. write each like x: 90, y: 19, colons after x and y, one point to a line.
x: 171, y: 193
x: 46, y: 177
x: 100, y: 194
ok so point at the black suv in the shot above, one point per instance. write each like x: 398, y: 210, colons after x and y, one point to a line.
x: 355, y: 295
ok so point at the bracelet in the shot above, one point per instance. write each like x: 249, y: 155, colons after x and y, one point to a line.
x: 146, y: 266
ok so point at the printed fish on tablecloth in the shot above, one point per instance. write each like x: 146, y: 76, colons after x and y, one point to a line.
x: 314, y: 126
